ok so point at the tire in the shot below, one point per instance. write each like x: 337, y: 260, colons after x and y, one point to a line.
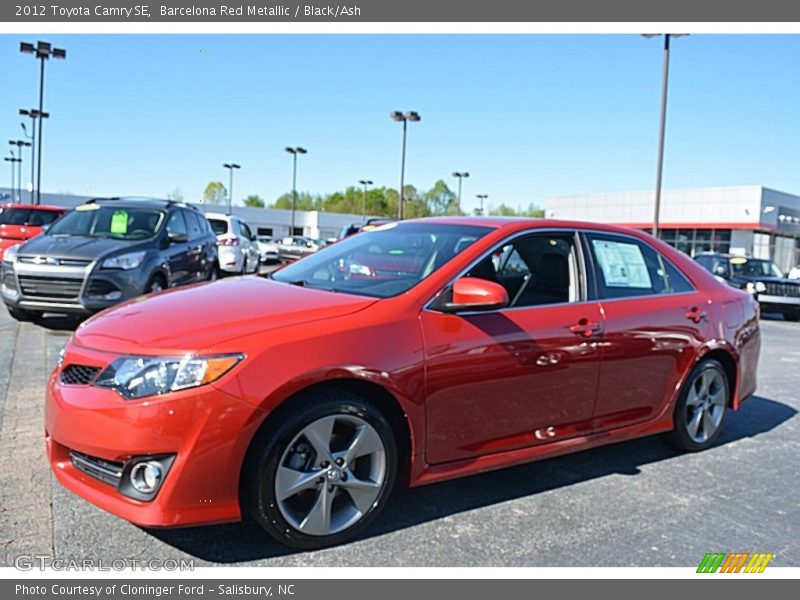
x: 793, y: 316
x: 22, y: 315
x: 156, y: 283
x: 287, y: 478
x: 701, y: 408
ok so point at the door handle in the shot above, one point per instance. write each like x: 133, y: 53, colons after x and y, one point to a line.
x: 585, y: 328
x: 695, y: 315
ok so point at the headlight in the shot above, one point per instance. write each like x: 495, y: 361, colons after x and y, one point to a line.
x: 139, y: 376
x: 10, y: 255
x: 761, y: 287
x: 124, y: 261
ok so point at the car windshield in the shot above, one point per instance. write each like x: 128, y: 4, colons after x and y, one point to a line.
x: 754, y: 267
x: 123, y: 222
x: 384, y: 262
x: 27, y: 216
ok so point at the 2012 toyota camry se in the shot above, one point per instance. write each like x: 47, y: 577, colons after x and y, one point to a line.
x: 417, y: 352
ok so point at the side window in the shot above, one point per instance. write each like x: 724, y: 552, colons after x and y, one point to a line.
x: 705, y: 261
x: 536, y: 270
x: 176, y: 224
x: 246, y: 230
x: 626, y: 268
x: 196, y: 228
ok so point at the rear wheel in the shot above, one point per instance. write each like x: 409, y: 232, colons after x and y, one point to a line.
x: 701, y: 408
x: 322, y: 474
x: 20, y: 314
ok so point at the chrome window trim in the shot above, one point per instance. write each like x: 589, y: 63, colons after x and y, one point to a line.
x: 583, y: 266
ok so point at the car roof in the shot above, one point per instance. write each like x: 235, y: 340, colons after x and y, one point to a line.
x: 136, y: 202
x: 512, y: 224
x: 47, y: 207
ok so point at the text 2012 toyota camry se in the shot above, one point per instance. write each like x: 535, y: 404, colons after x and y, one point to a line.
x: 418, y: 352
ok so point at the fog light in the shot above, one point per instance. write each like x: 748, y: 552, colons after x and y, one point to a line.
x: 147, y: 476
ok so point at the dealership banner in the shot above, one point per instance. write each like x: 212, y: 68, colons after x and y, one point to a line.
x: 385, y: 589
x: 367, y: 11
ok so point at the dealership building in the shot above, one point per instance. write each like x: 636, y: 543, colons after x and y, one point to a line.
x: 751, y: 220
x: 263, y: 221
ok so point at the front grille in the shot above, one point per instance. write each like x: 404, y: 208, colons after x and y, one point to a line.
x: 78, y: 374
x: 105, y: 470
x: 49, y: 287
x: 64, y: 262
x: 782, y: 289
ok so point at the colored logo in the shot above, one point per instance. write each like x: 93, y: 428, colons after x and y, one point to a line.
x: 738, y: 562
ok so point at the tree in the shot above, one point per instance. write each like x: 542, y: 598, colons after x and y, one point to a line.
x: 215, y: 193
x: 254, y: 201
x: 175, y: 195
x: 441, y: 200
x: 505, y: 210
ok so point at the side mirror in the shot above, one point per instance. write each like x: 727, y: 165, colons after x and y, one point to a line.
x: 720, y: 270
x: 473, y: 293
x: 177, y: 238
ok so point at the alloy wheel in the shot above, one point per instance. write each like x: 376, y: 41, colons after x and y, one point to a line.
x: 705, y: 405
x: 330, y: 475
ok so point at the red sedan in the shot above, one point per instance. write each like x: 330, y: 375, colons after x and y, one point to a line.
x: 21, y: 222
x: 302, y: 400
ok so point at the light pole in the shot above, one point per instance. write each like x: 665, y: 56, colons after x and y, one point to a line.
x: 460, y: 175
x: 12, y: 159
x: 19, y: 144
x: 34, y: 115
x: 662, y: 123
x: 481, y: 197
x: 43, y: 51
x: 230, y: 167
x: 294, y: 152
x: 365, y: 183
x: 404, y: 118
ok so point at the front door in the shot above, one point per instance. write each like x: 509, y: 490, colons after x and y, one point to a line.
x: 519, y: 376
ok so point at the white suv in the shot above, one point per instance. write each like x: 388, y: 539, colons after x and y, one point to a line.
x: 236, y: 245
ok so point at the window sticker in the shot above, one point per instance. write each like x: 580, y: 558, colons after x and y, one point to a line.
x: 119, y: 222
x: 622, y: 264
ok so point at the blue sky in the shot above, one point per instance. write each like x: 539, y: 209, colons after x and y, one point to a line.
x: 528, y: 116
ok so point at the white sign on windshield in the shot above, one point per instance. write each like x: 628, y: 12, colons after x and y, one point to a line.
x: 622, y: 264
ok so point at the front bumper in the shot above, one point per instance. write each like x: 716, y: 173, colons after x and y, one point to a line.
x: 207, y: 431
x: 770, y: 303
x: 80, y: 289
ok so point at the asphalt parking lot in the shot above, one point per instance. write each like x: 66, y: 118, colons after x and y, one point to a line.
x: 633, y: 504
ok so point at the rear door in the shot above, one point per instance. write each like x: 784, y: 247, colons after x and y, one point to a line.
x: 655, y: 322
x: 520, y: 376
x: 197, y: 249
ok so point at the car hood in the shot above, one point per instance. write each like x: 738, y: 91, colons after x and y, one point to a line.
x: 73, y: 246
x: 195, y: 318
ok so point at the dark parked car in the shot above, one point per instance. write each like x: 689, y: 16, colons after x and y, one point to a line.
x: 106, y: 251
x: 760, y: 277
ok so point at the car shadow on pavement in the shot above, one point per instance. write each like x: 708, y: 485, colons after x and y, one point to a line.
x: 244, y: 541
x: 57, y: 322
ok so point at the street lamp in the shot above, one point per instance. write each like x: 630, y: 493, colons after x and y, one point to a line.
x: 12, y: 159
x: 461, y: 175
x: 230, y: 167
x: 19, y: 144
x: 414, y: 117
x: 481, y: 197
x: 365, y: 183
x: 663, y: 123
x: 294, y: 152
x: 43, y: 51
x: 34, y: 115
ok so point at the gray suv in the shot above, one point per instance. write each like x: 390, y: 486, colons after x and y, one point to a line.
x: 106, y: 251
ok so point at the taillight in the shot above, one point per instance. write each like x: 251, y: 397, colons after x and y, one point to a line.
x: 229, y: 242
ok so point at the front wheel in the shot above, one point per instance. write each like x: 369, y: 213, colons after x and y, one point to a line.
x: 701, y: 408
x: 323, y: 474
